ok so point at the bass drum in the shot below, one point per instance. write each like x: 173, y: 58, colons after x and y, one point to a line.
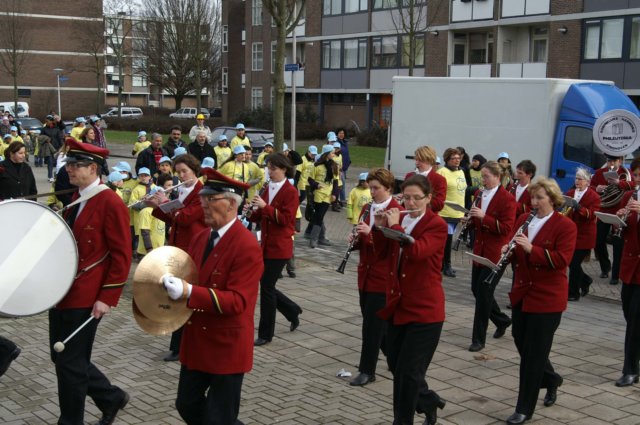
x: 38, y: 258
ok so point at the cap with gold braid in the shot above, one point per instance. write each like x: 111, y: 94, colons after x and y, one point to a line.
x: 219, y: 183
x: 79, y: 151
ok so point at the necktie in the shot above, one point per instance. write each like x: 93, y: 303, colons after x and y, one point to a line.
x: 212, y: 238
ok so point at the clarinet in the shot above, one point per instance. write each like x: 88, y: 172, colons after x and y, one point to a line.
x: 247, y: 213
x: 466, y: 224
x: 496, y: 274
x: 354, y: 239
x: 634, y: 197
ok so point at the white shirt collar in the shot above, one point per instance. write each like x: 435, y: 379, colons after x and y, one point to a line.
x: 424, y: 173
x: 520, y: 190
x: 409, y: 223
x: 185, y: 191
x: 274, y: 188
x: 88, y: 188
x: 223, y: 230
x: 377, y: 207
x: 536, y: 224
x: 487, y: 196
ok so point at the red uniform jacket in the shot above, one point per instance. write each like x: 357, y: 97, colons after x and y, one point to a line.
x: 373, y: 269
x: 218, y: 338
x: 585, y: 218
x: 277, y: 222
x: 414, y: 293
x: 101, y: 229
x: 186, y: 222
x: 598, y: 179
x: 438, y: 189
x: 523, y: 205
x: 630, y: 265
x: 492, y: 232
x: 541, y: 277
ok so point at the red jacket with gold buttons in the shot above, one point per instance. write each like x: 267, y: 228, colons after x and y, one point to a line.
x: 585, y: 218
x: 218, y: 337
x: 373, y: 270
x: 492, y: 232
x: 523, y: 205
x: 541, y: 277
x: 414, y: 293
x: 630, y: 265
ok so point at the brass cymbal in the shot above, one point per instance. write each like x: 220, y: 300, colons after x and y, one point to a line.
x: 151, y: 327
x: 148, y: 289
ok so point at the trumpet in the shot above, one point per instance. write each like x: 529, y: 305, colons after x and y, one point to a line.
x: 496, y: 274
x: 634, y: 197
x: 139, y: 203
x: 354, y: 238
x: 465, y: 224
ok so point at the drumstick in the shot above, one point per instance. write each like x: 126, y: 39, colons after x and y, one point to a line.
x: 59, y: 346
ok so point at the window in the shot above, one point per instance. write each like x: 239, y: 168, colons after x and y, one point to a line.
x: 603, y: 39
x: 579, y: 147
x: 332, y: 7
x: 256, y: 57
x: 385, y: 52
x: 331, y: 54
x: 256, y: 97
x: 138, y: 80
x: 635, y: 38
x: 355, y: 54
x: 225, y: 38
x: 352, y: 6
x: 273, y: 57
x: 225, y: 80
x: 256, y: 12
x: 273, y: 96
x: 539, y: 39
x: 418, y: 52
x: 385, y: 4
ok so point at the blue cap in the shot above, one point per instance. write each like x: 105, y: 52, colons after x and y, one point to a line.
x: 208, y: 162
x: 23, y: 131
x: 164, y: 159
x: 179, y: 151
x: 80, y: 119
x: 239, y: 149
x: 503, y: 155
x: 36, y: 131
x: 313, y: 150
x: 8, y: 136
x: 222, y: 137
x: 327, y: 148
x: 239, y: 126
x: 337, y: 145
x: 268, y: 144
x: 122, y: 166
x: 331, y: 136
x: 438, y: 161
x: 363, y: 176
x: 142, y: 133
x: 95, y: 118
x: 285, y: 147
x: 144, y: 170
x: 13, y: 128
x: 115, y: 176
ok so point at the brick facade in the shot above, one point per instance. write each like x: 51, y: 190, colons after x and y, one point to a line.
x: 564, y: 50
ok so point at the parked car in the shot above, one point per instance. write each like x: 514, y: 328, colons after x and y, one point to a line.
x: 257, y: 136
x: 185, y: 113
x: 127, y: 112
x: 29, y: 123
x: 215, y: 112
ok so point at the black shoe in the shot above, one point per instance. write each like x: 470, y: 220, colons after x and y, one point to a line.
x: 476, y: 346
x: 7, y: 361
x: 259, y: 341
x: 584, y: 291
x: 431, y: 417
x: 626, y: 380
x: 552, y: 394
x: 517, y: 418
x: 499, y: 333
x: 448, y: 271
x: 109, y: 417
x: 172, y: 357
x: 574, y: 298
x: 362, y: 379
x: 294, y: 324
x: 604, y: 275
x: 291, y: 274
x: 614, y: 281
x: 324, y: 242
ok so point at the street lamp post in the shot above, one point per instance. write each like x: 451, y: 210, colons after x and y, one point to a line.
x: 58, y: 72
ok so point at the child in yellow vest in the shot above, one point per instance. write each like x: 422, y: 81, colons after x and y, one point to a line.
x: 358, y: 198
x: 152, y: 230
x: 141, y: 144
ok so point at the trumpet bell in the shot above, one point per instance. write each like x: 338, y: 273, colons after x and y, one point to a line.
x: 149, y: 293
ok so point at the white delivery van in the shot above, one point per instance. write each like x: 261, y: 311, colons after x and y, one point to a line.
x: 23, y: 109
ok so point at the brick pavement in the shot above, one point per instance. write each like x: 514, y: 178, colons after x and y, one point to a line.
x: 293, y: 381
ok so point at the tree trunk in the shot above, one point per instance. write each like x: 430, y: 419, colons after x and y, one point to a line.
x: 278, y: 83
x: 178, y: 99
x: 99, y: 93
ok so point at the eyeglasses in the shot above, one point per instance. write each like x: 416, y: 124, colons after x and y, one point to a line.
x: 210, y: 198
x: 75, y: 165
x: 454, y: 158
x: 414, y: 197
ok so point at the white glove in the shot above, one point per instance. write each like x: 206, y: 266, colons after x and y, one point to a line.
x: 175, y: 287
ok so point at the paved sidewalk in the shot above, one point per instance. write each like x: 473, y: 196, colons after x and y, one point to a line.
x: 293, y: 380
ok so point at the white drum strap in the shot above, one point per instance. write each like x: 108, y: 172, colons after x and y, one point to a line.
x: 90, y: 194
x: 89, y: 267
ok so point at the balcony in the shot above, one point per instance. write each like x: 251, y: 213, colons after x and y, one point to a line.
x: 299, y: 78
x: 482, y: 70
x: 299, y: 29
x: 523, y: 70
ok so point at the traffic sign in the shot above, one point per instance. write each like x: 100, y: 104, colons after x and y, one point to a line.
x: 291, y: 67
x: 63, y: 79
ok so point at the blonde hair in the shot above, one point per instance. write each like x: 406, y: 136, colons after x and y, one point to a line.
x: 552, y: 189
x: 493, y: 167
x: 426, y: 154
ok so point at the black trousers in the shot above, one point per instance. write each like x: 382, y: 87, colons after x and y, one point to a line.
x: 373, y: 330
x: 533, y: 335
x: 7, y: 347
x: 318, y: 216
x: 77, y: 376
x: 486, y: 306
x: 603, y: 254
x: 271, y: 300
x: 176, y: 340
x: 410, y: 349
x: 576, y: 274
x: 207, y: 399
x: 630, y: 295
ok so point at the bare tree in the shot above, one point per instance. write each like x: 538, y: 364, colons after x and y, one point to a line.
x: 411, y: 21
x: 16, y: 42
x: 286, y: 14
x: 93, y: 43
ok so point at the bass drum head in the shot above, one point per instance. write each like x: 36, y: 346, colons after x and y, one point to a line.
x: 38, y: 258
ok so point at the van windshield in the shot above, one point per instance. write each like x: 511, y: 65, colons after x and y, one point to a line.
x: 579, y: 147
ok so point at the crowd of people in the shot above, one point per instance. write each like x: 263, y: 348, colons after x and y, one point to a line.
x: 208, y: 200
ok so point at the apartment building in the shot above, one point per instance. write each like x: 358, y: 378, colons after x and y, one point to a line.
x: 351, y: 49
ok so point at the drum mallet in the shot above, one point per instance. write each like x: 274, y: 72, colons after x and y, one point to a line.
x: 59, y: 346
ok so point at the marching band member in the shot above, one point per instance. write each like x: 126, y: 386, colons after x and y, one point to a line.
x: 415, y: 300
x: 275, y: 210
x: 425, y: 157
x: 184, y: 223
x: 630, y: 274
x: 100, y: 226
x: 217, y: 346
x: 539, y: 294
x: 373, y: 272
x: 584, y: 204
x: 492, y: 221
x: 611, y: 193
x: 525, y: 172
